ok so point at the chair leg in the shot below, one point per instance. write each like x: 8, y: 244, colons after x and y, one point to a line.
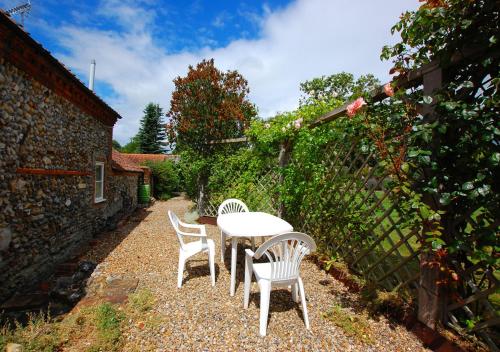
x: 253, y: 243
x: 248, y: 282
x: 211, y: 259
x: 265, y: 295
x: 295, y: 295
x: 304, y: 304
x: 180, y: 270
x: 222, y: 245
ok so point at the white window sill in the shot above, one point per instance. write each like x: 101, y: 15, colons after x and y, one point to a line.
x: 100, y: 200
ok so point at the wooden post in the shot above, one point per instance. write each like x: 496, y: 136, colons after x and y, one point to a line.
x: 431, y: 300
x: 283, y: 161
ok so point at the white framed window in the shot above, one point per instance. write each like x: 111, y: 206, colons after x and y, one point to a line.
x: 99, y: 182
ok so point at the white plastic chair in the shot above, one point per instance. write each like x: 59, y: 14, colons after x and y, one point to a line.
x: 191, y: 248
x: 230, y: 206
x: 285, y: 253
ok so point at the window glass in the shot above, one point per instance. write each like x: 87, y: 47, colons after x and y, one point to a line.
x: 99, y: 181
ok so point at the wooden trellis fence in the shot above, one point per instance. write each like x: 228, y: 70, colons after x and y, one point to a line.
x: 378, y: 247
x: 259, y: 194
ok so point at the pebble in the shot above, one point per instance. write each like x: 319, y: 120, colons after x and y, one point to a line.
x: 201, y: 317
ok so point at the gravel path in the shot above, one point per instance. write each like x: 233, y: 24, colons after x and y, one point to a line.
x: 201, y: 317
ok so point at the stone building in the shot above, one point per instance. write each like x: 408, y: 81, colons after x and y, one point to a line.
x: 59, y: 184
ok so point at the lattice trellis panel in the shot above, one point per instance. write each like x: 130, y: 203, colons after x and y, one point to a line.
x: 260, y: 194
x: 478, y: 303
x: 352, y: 211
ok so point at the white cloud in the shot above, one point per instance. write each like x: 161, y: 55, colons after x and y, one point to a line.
x: 306, y: 39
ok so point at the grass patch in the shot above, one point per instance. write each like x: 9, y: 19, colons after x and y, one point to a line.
x: 95, y: 328
x: 353, y: 325
x: 39, y: 334
x: 142, y: 300
x: 107, y: 321
x: 140, y: 310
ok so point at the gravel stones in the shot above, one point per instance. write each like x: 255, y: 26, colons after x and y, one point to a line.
x: 201, y: 317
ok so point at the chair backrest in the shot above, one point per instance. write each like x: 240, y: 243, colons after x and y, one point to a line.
x: 232, y: 206
x: 174, y: 219
x: 285, y: 253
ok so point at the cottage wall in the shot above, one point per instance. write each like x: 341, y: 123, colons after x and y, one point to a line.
x: 48, y: 148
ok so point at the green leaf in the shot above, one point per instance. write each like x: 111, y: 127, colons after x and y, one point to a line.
x: 484, y: 190
x: 427, y: 99
x: 437, y: 243
x: 466, y: 24
x: 445, y: 199
x: 468, y: 84
x: 405, y: 167
x: 467, y: 186
x: 450, y: 105
x: 495, y: 158
x: 424, y: 211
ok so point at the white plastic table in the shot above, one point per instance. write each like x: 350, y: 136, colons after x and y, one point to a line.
x: 249, y: 224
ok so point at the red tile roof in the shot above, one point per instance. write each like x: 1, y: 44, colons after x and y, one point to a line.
x: 141, y: 159
x: 121, y: 162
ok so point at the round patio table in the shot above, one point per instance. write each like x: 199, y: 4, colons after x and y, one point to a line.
x: 249, y: 224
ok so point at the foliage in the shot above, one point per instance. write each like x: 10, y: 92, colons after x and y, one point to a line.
x: 39, y: 334
x: 117, y: 145
x: 341, y: 86
x: 238, y: 175
x: 353, y: 325
x: 267, y: 135
x: 132, y: 147
x: 151, y: 134
x: 208, y: 105
x: 100, y: 326
x: 190, y: 167
x: 142, y: 301
x: 165, y: 178
x: 454, y: 155
x: 108, y: 320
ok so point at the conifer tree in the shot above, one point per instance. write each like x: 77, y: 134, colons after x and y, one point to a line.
x: 151, y: 134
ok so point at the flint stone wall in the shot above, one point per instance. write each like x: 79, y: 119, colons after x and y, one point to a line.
x: 44, y: 218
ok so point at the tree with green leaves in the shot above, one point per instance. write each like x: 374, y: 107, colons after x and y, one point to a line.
x: 341, y: 86
x: 208, y: 105
x: 117, y: 145
x: 132, y: 146
x: 151, y: 136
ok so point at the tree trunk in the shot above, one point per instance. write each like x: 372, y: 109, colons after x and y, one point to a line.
x: 202, y: 193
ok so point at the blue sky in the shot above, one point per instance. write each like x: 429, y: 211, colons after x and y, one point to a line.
x: 141, y: 45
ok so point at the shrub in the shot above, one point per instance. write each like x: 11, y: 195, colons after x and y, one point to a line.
x: 165, y: 178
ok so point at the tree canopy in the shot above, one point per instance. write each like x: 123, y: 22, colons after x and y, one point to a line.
x: 117, y: 145
x: 151, y: 136
x: 341, y: 86
x: 208, y: 105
